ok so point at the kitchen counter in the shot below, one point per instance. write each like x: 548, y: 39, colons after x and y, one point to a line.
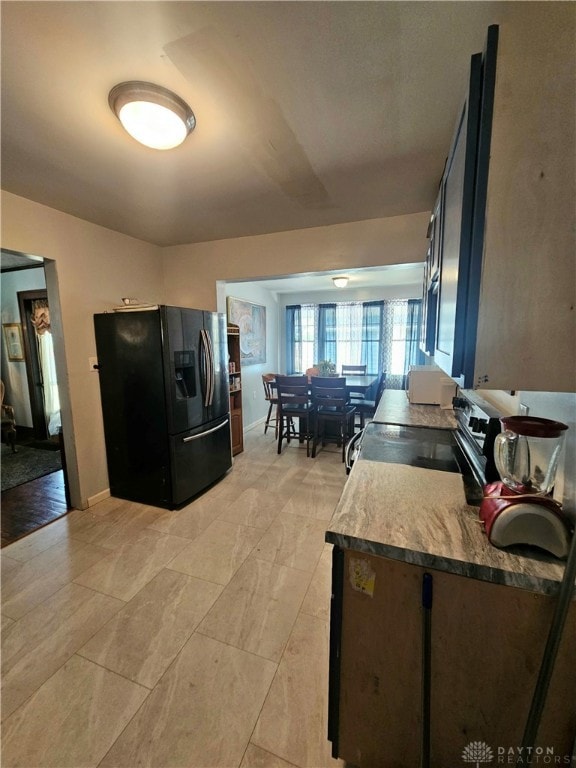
x: 420, y: 516
x: 394, y: 408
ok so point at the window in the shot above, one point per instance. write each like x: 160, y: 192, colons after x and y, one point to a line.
x: 383, y: 335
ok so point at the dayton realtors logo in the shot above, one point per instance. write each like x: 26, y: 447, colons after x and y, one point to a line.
x: 479, y: 753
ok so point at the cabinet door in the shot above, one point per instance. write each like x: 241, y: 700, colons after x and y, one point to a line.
x: 236, y: 430
x: 457, y: 193
x: 379, y: 720
x: 487, y: 647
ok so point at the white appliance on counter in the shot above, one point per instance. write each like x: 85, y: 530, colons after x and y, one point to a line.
x: 427, y: 384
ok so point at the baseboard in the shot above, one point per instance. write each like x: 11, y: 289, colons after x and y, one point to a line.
x: 255, y: 424
x: 98, y: 497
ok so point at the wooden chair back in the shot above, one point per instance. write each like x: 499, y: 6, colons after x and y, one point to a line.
x: 329, y: 392
x: 292, y: 391
x: 269, y: 384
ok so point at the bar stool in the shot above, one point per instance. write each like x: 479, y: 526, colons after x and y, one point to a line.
x: 271, y: 396
x: 331, y: 406
x: 293, y: 403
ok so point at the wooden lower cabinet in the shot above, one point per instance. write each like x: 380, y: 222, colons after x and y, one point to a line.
x: 235, y: 382
x: 486, y: 648
x: 236, y: 431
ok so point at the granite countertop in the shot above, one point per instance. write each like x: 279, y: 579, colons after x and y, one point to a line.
x: 421, y: 516
x: 394, y: 408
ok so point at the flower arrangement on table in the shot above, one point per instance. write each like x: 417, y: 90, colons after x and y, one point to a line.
x: 326, y: 368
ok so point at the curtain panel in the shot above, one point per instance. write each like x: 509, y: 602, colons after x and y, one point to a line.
x: 383, y: 335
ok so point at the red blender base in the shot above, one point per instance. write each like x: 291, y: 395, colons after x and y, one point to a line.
x: 510, y: 518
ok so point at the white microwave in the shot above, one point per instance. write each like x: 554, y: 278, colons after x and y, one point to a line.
x: 427, y: 384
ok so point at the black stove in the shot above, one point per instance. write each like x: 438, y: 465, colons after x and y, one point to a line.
x: 468, y: 449
x: 478, y: 425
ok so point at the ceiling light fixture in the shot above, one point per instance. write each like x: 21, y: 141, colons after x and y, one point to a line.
x: 340, y: 282
x: 151, y: 114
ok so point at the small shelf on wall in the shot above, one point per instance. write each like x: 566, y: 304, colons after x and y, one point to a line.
x: 235, y: 384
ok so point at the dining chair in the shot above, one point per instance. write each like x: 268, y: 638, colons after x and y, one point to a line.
x: 331, y: 407
x: 367, y: 408
x: 355, y: 370
x: 293, y: 403
x: 271, y: 396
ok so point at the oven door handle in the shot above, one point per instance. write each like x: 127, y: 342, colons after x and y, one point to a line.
x: 349, y: 461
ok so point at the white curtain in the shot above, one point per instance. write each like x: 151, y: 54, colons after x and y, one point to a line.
x: 48, y: 368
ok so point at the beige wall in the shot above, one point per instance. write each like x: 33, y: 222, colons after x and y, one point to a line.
x: 93, y: 267
x: 191, y: 271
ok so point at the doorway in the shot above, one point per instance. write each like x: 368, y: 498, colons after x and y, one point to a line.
x: 34, y: 479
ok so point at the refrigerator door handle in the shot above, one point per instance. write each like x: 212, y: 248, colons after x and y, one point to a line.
x: 203, y: 434
x: 211, y: 367
x: 207, y: 367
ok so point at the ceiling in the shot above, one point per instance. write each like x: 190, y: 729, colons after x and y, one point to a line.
x: 308, y: 113
x: 392, y: 276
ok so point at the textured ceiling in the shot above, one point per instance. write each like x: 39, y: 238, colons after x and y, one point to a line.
x: 308, y: 113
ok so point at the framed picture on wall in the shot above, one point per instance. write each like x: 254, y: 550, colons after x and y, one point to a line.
x: 13, y: 341
x: 251, y: 319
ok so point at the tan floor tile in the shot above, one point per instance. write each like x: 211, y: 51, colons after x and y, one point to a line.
x: 267, y: 578
x: 218, y: 552
x: 201, y: 713
x: 46, y: 573
x: 293, y: 540
x: 251, y: 621
x: 205, y: 707
x: 317, y: 600
x: 281, y: 478
x: 293, y: 722
x: 8, y: 563
x: 127, y: 569
x: 255, y: 508
x: 72, y: 720
x: 254, y: 757
x: 114, y: 534
x: 37, y: 645
x: 315, y: 502
x: 38, y: 541
x: 6, y: 623
x: 144, y: 638
x: 189, y: 522
x: 113, y: 508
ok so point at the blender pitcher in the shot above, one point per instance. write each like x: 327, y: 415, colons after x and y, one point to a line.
x: 527, y: 452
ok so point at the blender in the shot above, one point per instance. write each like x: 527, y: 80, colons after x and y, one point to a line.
x: 520, y: 509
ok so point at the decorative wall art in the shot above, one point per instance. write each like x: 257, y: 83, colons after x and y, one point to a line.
x: 251, y: 319
x: 13, y: 341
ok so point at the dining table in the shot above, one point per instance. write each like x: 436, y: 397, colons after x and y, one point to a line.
x: 360, y: 383
x: 355, y: 382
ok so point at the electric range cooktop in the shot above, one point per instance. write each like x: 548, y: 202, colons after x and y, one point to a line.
x: 414, y: 446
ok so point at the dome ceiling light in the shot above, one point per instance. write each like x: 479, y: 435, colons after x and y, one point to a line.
x: 340, y: 282
x: 151, y: 114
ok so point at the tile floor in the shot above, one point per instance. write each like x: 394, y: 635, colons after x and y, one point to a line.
x: 134, y: 636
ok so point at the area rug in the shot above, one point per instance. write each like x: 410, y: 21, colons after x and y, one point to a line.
x: 27, y: 464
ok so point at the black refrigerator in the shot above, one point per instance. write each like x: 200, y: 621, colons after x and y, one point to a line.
x: 165, y: 402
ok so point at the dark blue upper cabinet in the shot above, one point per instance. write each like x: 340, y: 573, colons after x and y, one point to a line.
x: 463, y: 202
x: 457, y: 193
